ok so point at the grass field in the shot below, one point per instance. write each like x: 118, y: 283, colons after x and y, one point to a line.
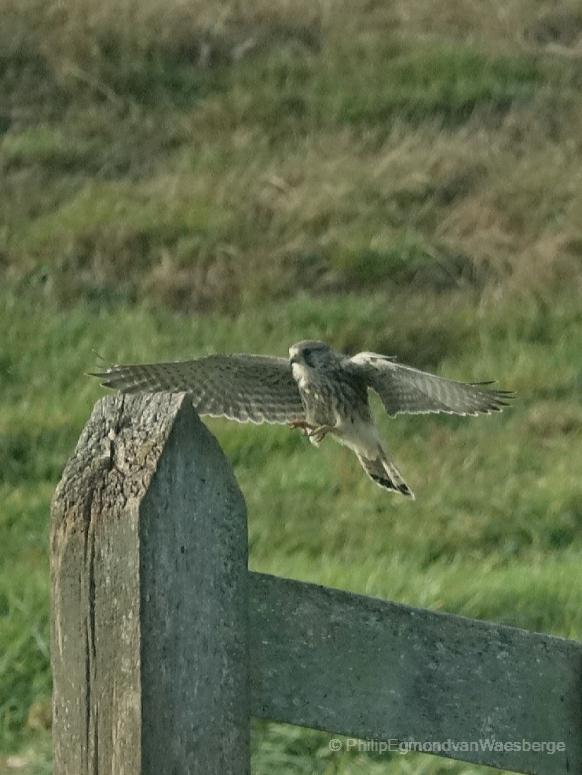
x: 179, y: 179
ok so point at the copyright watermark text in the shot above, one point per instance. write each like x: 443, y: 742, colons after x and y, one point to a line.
x: 449, y: 746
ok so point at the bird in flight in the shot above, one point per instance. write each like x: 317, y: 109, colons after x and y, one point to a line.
x: 318, y: 390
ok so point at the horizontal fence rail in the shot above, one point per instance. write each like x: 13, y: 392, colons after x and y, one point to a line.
x: 371, y: 669
x: 164, y: 644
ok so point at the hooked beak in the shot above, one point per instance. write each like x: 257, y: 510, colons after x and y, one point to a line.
x: 294, y: 359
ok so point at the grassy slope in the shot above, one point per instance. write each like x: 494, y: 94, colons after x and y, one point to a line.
x: 399, y: 180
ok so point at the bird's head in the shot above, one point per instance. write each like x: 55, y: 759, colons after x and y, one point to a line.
x: 311, y: 354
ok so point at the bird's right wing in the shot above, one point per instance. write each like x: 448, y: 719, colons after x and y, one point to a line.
x: 246, y: 388
x: 405, y: 389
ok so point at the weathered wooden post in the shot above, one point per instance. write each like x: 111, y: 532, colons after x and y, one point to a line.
x: 149, y: 605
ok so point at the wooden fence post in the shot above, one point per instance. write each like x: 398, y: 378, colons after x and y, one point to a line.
x: 149, y: 598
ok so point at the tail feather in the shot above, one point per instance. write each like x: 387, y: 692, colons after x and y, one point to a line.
x: 384, y: 473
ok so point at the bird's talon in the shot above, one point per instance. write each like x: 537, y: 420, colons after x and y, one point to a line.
x: 318, y: 434
x: 302, y: 425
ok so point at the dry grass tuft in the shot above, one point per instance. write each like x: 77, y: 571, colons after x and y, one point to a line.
x: 206, y: 155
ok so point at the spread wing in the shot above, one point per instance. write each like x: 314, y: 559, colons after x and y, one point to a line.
x: 405, y: 389
x: 246, y: 388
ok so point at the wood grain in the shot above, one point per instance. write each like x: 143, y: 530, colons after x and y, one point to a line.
x: 149, y: 604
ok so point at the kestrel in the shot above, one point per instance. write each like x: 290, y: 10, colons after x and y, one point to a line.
x: 317, y: 390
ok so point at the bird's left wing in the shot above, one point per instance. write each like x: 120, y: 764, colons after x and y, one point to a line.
x: 405, y: 389
x: 246, y: 388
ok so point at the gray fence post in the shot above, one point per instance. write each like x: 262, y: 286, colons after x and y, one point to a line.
x: 149, y: 598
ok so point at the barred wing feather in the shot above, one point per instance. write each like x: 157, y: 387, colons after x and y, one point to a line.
x: 246, y: 388
x: 406, y: 389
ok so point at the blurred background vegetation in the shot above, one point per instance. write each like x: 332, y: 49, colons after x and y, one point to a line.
x: 180, y: 177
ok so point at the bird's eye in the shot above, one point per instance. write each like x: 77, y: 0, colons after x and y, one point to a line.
x: 307, y: 357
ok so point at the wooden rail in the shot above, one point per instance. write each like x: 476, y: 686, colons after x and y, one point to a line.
x: 164, y: 645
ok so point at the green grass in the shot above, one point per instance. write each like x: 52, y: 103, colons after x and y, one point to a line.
x: 494, y: 532
x: 399, y: 177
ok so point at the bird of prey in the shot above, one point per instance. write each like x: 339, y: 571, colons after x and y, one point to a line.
x: 317, y: 390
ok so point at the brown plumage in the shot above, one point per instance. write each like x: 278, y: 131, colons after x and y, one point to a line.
x: 318, y: 390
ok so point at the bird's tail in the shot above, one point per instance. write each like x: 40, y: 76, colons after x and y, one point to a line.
x: 382, y: 471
